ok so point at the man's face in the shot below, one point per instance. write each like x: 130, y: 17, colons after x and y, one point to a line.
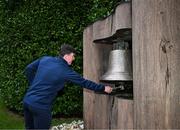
x: 70, y: 58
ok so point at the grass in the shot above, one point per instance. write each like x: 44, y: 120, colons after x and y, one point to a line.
x: 9, y: 120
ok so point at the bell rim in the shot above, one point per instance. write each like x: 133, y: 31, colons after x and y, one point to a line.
x: 119, y: 77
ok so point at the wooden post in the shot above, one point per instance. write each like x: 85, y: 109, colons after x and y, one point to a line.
x: 93, y: 68
x: 156, y: 63
x: 104, y: 111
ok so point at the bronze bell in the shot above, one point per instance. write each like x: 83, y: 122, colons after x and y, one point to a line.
x: 120, y: 64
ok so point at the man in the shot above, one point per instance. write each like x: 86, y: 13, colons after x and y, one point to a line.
x: 46, y: 77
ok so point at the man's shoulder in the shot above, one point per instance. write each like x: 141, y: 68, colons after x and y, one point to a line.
x: 47, y: 57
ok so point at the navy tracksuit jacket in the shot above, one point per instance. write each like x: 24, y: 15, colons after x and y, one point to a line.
x: 47, y: 76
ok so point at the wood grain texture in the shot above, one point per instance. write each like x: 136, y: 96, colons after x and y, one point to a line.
x: 120, y: 19
x: 104, y: 111
x: 125, y: 114
x: 101, y: 107
x: 156, y: 63
x: 93, y: 67
x: 88, y: 100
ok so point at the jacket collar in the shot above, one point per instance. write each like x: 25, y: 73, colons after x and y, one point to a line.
x: 63, y: 60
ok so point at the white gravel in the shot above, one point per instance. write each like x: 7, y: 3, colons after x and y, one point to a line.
x: 75, y: 125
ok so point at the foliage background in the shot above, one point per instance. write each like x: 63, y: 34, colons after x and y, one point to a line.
x: 30, y: 29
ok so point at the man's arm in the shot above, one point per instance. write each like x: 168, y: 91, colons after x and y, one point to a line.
x: 78, y: 79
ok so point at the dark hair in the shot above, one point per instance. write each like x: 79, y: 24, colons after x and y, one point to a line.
x: 66, y: 49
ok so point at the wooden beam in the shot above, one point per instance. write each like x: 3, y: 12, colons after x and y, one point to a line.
x: 156, y: 63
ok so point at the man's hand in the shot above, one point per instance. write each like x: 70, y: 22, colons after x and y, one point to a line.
x: 108, y: 89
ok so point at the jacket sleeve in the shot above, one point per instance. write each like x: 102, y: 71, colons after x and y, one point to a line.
x: 74, y: 77
x: 30, y: 71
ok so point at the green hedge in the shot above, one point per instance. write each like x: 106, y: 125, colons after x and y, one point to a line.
x: 33, y: 28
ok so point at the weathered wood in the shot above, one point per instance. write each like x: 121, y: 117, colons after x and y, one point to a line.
x: 156, y: 63
x: 88, y: 108
x: 104, y: 111
x: 120, y: 113
x: 88, y: 100
x: 125, y: 114
x: 94, y: 66
x: 120, y: 19
x: 101, y: 109
x: 102, y: 28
